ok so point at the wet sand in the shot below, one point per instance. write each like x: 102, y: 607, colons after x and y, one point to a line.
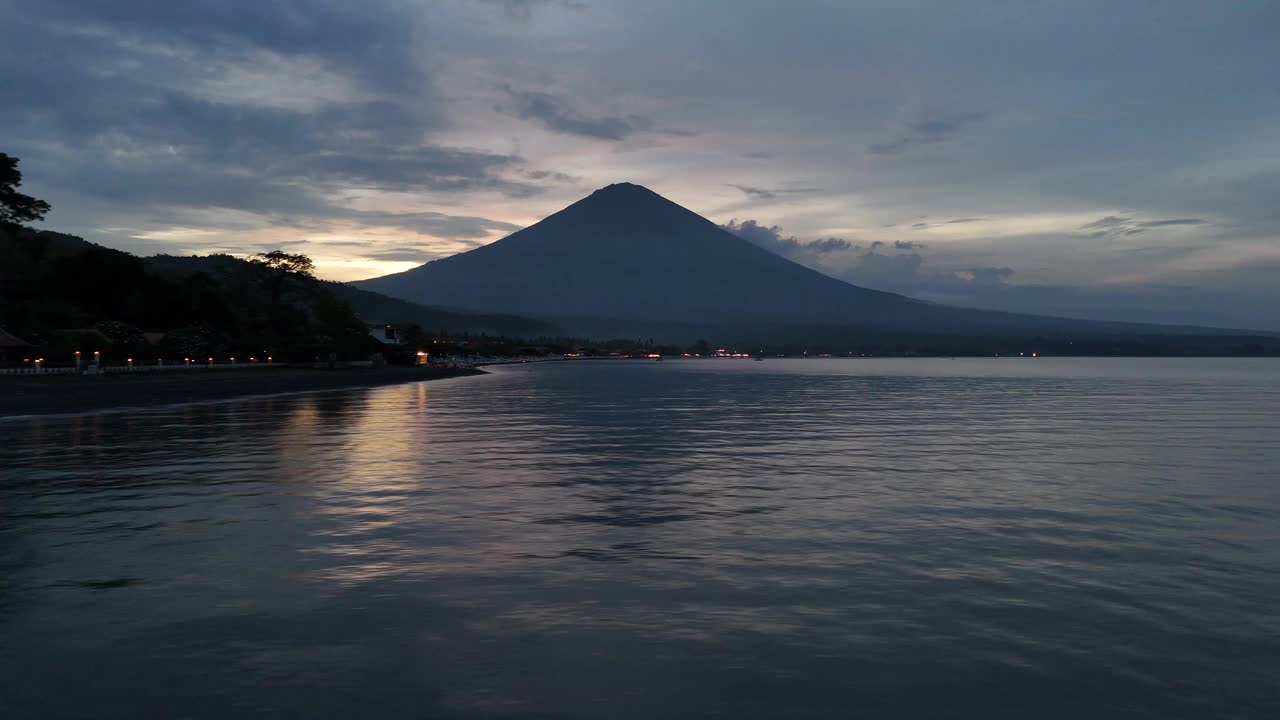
x: 59, y: 394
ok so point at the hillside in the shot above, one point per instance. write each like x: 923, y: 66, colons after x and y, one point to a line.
x: 374, y: 307
x: 62, y: 293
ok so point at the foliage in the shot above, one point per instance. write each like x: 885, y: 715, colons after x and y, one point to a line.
x: 285, y: 263
x: 16, y: 208
x: 217, y: 305
x: 193, y: 341
x: 119, y: 333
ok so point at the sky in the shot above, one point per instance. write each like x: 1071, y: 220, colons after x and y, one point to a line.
x: 1116, y: 160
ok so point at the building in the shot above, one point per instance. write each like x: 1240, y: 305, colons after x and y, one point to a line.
x: 385, y: 334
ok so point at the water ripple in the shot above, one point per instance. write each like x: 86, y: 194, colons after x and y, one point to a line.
x: 631, y: 540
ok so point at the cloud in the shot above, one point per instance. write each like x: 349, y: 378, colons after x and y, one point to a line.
x: 403, y: 254
x: 155, y: 115
x: 896, y: 266
x: 934, y: 128
x: 756, y: 193
x: 452, y: 227
x: 559, y: 115
x: 1111, y: 227
x: 827, y: 245
x: 551, y: 176
x: 524, y: 9
x: 1175, y: 221
x: 771, y: 238
x: 986, y: 276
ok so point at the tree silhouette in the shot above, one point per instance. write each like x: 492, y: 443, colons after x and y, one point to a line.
x: 16, y: 208
x: 281, y: 265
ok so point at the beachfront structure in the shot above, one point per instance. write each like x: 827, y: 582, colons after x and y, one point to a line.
x: 10, y: 343
x: 385, y: 334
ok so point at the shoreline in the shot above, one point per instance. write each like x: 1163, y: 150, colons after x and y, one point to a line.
x: 30, y: 396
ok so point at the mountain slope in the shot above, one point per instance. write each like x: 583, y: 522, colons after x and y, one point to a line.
x: 376, y: 307
x: 626, y: 254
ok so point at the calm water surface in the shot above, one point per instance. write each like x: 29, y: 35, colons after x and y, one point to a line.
x: 841, y: 538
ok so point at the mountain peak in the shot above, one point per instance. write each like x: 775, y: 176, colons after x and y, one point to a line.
x: 626, y: 208
x: 625, y: 192
x: 623, y: 187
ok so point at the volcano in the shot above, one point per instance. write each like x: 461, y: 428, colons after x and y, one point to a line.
x: 626, y: 260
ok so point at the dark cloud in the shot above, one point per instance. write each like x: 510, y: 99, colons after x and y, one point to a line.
x: 907, y: 272
x: 831, y: 244
x: 1175, y: 221
x: 400, y: 255
x: 559, y: 115
x: 374, y: 40
x: 963, y: 220
x: 771, y: 238
x: 1116, y: 226
x: 756, y: 193
x: 884, y: 270
x: 550, y: 175
x: 452, y: 227
x: 524, y: 9
x: 1107, y: 222
x: 896, y: 266
x: 135, y: 109
x: 927, y: 130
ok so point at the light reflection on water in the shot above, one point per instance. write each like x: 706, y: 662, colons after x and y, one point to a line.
x: 802, y: 538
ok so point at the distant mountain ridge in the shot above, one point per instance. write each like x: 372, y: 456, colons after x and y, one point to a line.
x: 60, y: 291
x: 626, y: 257
x: 372, y: 307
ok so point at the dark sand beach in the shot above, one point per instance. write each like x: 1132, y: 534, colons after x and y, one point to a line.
x: 57, y: 394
